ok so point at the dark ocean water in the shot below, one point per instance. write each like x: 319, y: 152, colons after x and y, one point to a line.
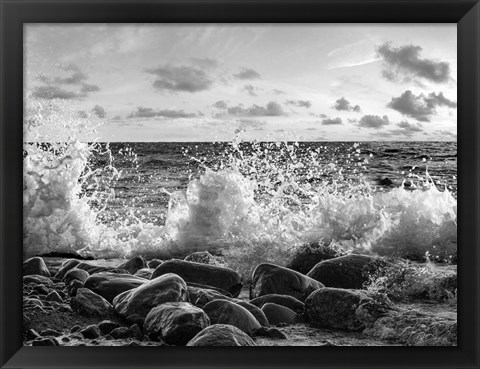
x: 152, y: 170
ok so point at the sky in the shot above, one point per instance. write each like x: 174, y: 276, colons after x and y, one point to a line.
x: 209, y: 82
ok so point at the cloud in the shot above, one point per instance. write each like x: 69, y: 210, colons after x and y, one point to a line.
x: 247, y: 73
x: 410, y: 127
x: 344, y: 104
x: 300, y: 103
x: 419, y: 107
x: 221, y: 104
x: 252, y: 124
x: 406, y: 60
x: 99, y: 111
x: 272, y: 109
x: 166, y: 113
x: 250, y: 89
x: 181, y: 79
x: 331, y: 121
x: 205, y: 63
x: 373, y: 121
x: 86, y: 88
x: 54, y: 92
x: 278, y: 92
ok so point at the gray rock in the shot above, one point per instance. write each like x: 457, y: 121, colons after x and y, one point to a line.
x: 144, y: 273
x: 254, y: 310
x: 121, y: 332
x: 54, y: 296
x: 337, y: 308
x: 106, y: 326
x: 37, y: 279
x: 89, y: 303
x: 227, y: 312
x: 277, y: 314
x: 166, y: 288
x: 73, y: 287
x: 154, y: 263
x: 109, y: 285
x: 66, y: 266
x: 75, y: 274
x: 35, y: 266
x: 221, y: 335
x: 48, y: 341
x: 203, y: 257
x: 133, y: 265
x: 209, y: 275
x: 202, y: 296
x: 175, y: 323
x: 273, y: 279
x: 50, y: 332
x: 92, y: 269
x: 349, y: 271
x: 288, y: 301
x: 90, y: 332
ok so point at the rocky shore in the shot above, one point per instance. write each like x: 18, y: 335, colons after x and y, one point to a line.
x: 198, y: 301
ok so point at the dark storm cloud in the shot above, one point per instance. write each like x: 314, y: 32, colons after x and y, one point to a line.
x: 221, y: 104
x: 250, y: 89
x: 247, y: 73
x: 331, y: 121
x: 373, y: 121
x: 300, y: 103
x: 99, y: 111
x: 181, y: 79
x: 272, y: 109
x: 54, y: 92
x: 344, y: 104
x: 419, y: 107
x: 406, y: 60
x: 166, y: 113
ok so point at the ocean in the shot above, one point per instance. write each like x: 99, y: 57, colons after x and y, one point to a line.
x: 249, y: 201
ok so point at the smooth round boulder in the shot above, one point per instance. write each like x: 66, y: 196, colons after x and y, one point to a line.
x: 203, y: 257
x: 35, y: 266
x: 210, y: 275
x: 92, y: 269
x: 77, y: 274
x: 109, y: 285
x: 273, y: 279
x: 221, y: 335
x: 89, y: 303
x: 65, y: 267
x: 254, y: 310
x: 175, y: 323
x: 202, y: 296
x: 37, y: 279
x: 133, y: 265
x: 288, y: 301
x: 106, y: 326
x: 166, y: 288
x: 338, y: 308
x: 278, y: 314
x: 350, y: 271
x: 144, y: 273
x: 152, y: 264
x: 227, y: 312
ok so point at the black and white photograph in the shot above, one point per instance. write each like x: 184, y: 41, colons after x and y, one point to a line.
x: 240, y: 184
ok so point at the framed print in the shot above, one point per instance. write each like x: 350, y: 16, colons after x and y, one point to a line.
x: 224, y: 174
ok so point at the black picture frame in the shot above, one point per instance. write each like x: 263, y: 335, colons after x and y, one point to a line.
x: 14, y: 13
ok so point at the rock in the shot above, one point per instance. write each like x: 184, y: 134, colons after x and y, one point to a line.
x: 90, y: 332
x: 66, y: 266
x: 136, y: 332
x: 106, y: 326
x: 166, y: 288
x: 254, y: 310
x: 133, y: 265
x: 152, y: 264
x: 227, y: 312
x: 277, y: 314
x: 35, y: 266
x: 276, y: 333
x: 75, y: 328
x: 49, y: 341
x: 89, y: 303
x: 32, y: 334
x: 75, y: 274
x: 37, y: 279
x: 73, y: 287
x: 202, y: 296
x: 144, y: 273
x: 121, y: 332
x: 175, y: 323
x: 221, y: 335
x: 210, y: 275
x: 203, y: 257
x: 309, y: 255
x: 41, y: 289
x: 205, y: 287
x: 349, y: 271
x: 136, y: 319
x: 50, y: 332
x: 109, y: 285
x: 54, y: 296
x: 288, y: 301
x: 92, y: 269
x: 273, y: 279
x: 343, y: 309
x: 27, y: 302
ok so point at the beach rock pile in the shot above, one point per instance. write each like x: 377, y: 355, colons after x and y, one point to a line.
x: 199, y: 303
